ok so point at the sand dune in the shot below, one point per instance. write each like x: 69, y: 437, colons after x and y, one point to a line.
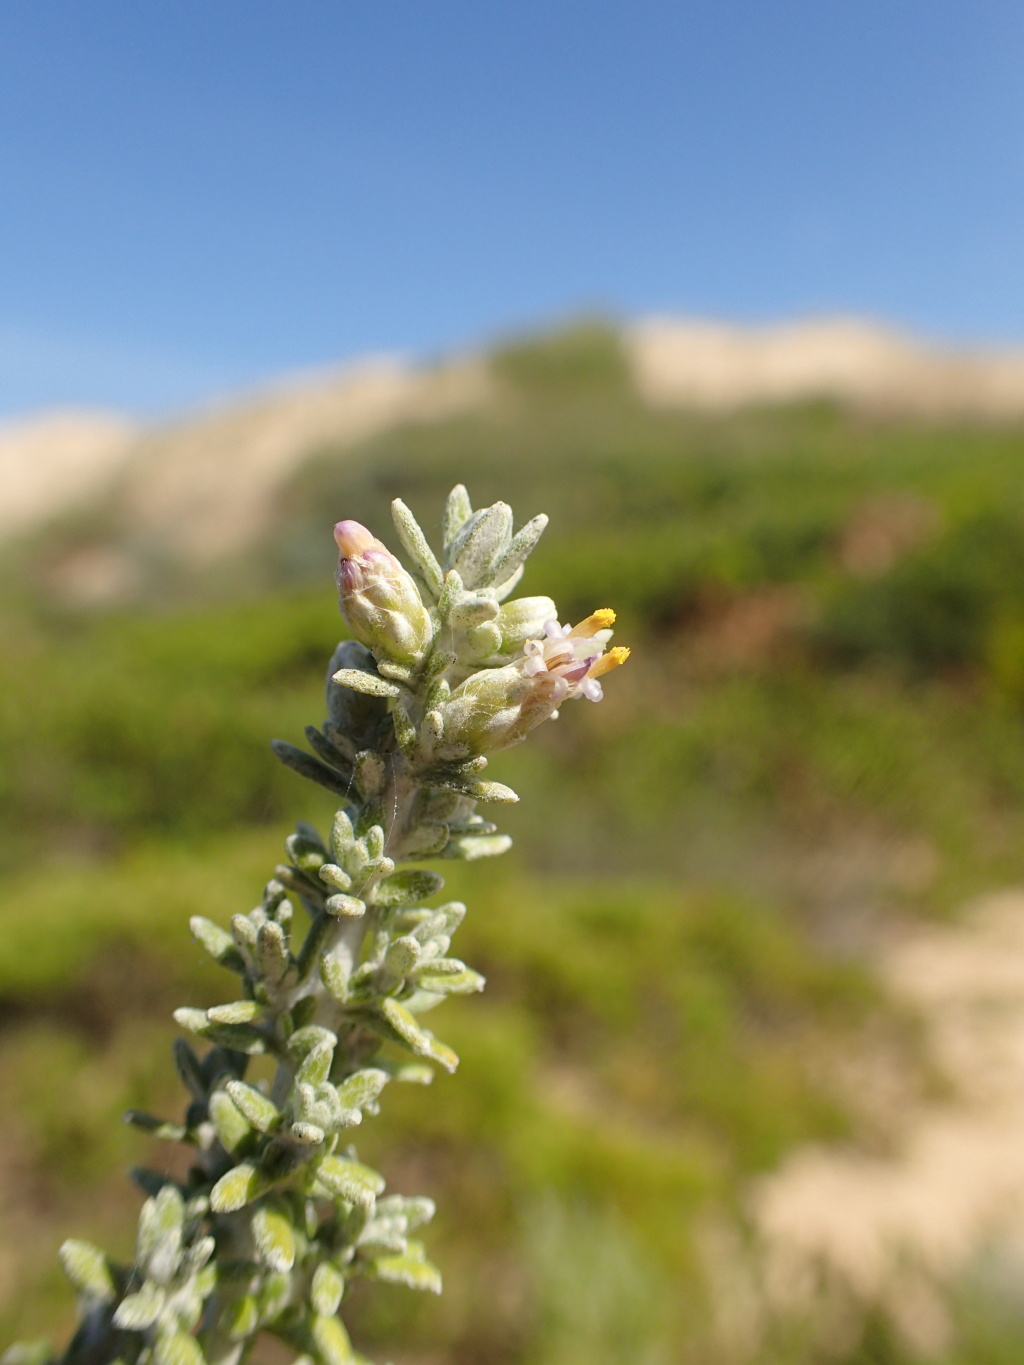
x: 711, y: 365
x: 52, y: 462
x: 204, y: 486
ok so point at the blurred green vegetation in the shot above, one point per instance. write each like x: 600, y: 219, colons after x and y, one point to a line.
x: 821, y: 730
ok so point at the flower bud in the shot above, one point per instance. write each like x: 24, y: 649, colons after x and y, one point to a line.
x: 378, y: 598
x: 498, y: 707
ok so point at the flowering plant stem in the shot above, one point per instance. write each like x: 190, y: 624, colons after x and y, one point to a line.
x: 277, y: 1215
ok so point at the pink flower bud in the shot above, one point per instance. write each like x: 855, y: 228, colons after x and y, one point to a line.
x: 378, y: 598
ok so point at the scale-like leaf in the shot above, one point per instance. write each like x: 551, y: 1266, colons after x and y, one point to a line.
x: 138, y: 1311
x: 257, y: 1110
x: 350, y: 1179
x: 231, y: 1125
x: 238, y: 1187
x: 274, y: 1237
x: 331, y: 1340
x: 86, y: 1267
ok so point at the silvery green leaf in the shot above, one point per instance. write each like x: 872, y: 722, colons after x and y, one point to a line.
x: 159, y: 1235
x: 369, y: 774
x: 309, y: 1134
x: 239, y: 1012
x: 415, y: 544
x: 312, y: 768
x: 334, y: 977
x: 469, y: 847
x: 199, y: 1253
x: 484, y: 538
x: 275, y: 892
x: 452, y: 914
x: 451, y: 594
x: 177, y: 1348
x: 457, y: 511
x: 409, y: 1270
x: 238, y: 1187
x: 373, y: 841
x: 243, y: 931
x: 440, y: 966
x: 335, y: 877
x: 482, y: 790
x: 383, y: 1237
x: 415, y: 1209
x: 342, y: 906
x: 402, y: 955
x: 368, y: 683
x: 327, y: 1288
x: 316, y: 1065
x: 193, y: 1020
x: 274, y: 1237
x: 306, y: 849
x: 217, y: 942
x: 257, y: 1110
x: 342, y: 834
x: 272, y: 951
x: 303, y: 1040
x: 521, y: 545
x: 87, y: 1269
x: 231, y: 1125
x: 394, y: 1021
x: 405, y: 731
x: 331, y: 1341
x: 238, y: 1037
x: 407, y: 887
x: 362, y: 1087
x: 466, y: 982
x: 138, y: 1311
x: 350, y: 1179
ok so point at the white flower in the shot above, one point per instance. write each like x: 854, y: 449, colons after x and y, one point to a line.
x: 573, y: 657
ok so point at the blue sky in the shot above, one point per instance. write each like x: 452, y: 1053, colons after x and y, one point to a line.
x: 198, y: 194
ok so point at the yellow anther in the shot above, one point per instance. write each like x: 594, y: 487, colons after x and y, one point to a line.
x: 600, y: 620
x: 608, y: 661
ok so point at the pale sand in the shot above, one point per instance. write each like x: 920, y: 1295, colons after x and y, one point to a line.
x: 55, y: 461
x: 690, y: 363
x: 957, y: 1181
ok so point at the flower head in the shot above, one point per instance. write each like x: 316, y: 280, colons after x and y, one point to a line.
x: 572, y: 658
x: 498, y: 707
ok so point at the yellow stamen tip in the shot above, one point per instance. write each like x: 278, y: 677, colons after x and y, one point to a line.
x: 599, y: 620
x: 608, y: 661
